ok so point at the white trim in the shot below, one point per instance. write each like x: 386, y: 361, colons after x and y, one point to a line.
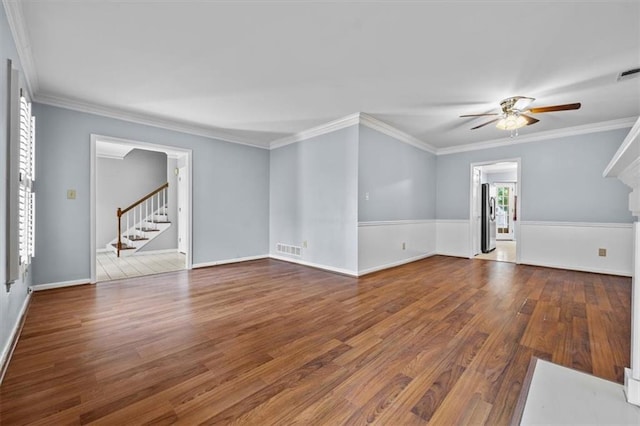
x: 315, y: 265
x: 624, y: 157
x: 389, y: 130
x: 111, y: 157
x: 92, y: 206
x: 550, y: 134
x: 394, y: 264
x: 12, y: 340
x: 15, y: 18
x: 350, y: 120
x: 395, y: 222
x: 151, y: 252
x: 452, y: 220
x: 581, y: 269
x: 451, y: 254
x: 227, y: 261
x: 631, y: 387
x: 579, y: 224
x: 313, y: 132
x: 40, y: 287
x: 144, y: 119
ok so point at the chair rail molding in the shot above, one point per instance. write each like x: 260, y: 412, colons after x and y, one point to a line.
x: 625, y: 165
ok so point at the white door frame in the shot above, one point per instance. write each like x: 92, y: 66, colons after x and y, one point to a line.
x: 92, y: 192
x: 473, y: 228
x: 475, y: 197
x: 183, y: 208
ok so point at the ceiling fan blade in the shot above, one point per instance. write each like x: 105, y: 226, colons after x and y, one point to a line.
x: 482, y: 125
x: 477, y: 115
x: 565, y: 107
x: 530, y: 120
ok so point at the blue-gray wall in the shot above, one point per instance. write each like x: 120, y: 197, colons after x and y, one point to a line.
x: 400, y: 179
x: 230, y: 192
x: 12, y: 301
x: 313, y: 198
x: 561, y: 179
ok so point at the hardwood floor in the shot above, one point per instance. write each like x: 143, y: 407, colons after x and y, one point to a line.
x: 442, y: 340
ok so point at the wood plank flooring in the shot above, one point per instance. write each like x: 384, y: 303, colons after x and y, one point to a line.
x: 442, y: 340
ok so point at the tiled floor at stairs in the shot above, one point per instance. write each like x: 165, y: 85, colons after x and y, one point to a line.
x: 110, y: 267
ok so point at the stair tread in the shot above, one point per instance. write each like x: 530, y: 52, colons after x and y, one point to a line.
x: 123, y: 247
x: 134, y: 237
x: 148, y: 230
x: 160, y: 221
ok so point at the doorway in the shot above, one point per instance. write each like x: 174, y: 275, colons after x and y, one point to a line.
x: 169, y: 251
x: 494, y: 221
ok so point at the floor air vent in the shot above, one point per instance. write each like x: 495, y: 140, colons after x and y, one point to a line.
x: 287, y: 249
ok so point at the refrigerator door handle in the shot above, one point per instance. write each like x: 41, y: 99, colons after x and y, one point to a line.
x: 493, y: 208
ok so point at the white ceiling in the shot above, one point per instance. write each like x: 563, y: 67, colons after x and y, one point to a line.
x: 259, y: 71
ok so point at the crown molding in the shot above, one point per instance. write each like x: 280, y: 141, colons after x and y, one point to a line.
x: 313, y: 132
x: 627, y: 154
x: 143, y: 119
x: 350, y: 120
x: 387, y: 129
x: 550, y: 134
x: 15, y: 18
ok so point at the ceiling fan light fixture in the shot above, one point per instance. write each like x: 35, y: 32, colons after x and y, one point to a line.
x: 511, y: 121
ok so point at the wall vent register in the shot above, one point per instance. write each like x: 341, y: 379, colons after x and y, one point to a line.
x: 288, y: 249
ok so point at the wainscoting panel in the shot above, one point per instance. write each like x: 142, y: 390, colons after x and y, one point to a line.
x: 386, y: 244
x: 453, y: 237
x: 571, y: 245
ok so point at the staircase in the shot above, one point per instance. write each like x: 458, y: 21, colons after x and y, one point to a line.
x: 141, y: 222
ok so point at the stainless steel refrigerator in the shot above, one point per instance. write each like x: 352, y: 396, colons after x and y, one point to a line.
x: 488, y: 236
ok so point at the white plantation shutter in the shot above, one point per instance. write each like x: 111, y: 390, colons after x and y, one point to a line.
x: 26, y: 196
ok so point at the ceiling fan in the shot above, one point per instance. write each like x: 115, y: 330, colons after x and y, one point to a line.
x: 513, y: 113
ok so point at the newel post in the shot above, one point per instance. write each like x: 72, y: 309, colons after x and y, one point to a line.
x: 119, y: 244
x: 625, y: 165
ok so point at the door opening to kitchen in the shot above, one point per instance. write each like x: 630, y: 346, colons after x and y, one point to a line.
x: 494, y: 211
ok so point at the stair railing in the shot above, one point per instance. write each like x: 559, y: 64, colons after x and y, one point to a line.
x: 149, y: 205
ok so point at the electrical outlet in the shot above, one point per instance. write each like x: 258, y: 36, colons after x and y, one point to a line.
x: 71, y: 194
x: 304, y: 244
x: 404, y: 246
x: 602, y: 252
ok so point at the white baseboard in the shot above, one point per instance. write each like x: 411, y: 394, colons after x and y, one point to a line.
x: 580, y: 269
x: 39, y: 287
x: 452, y: 254
x: 142, y: 253
x: 315, y: 265
x: 227, y: 261
x: 9, y: 346
x: 394, y: 264
x: 106, y: 250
